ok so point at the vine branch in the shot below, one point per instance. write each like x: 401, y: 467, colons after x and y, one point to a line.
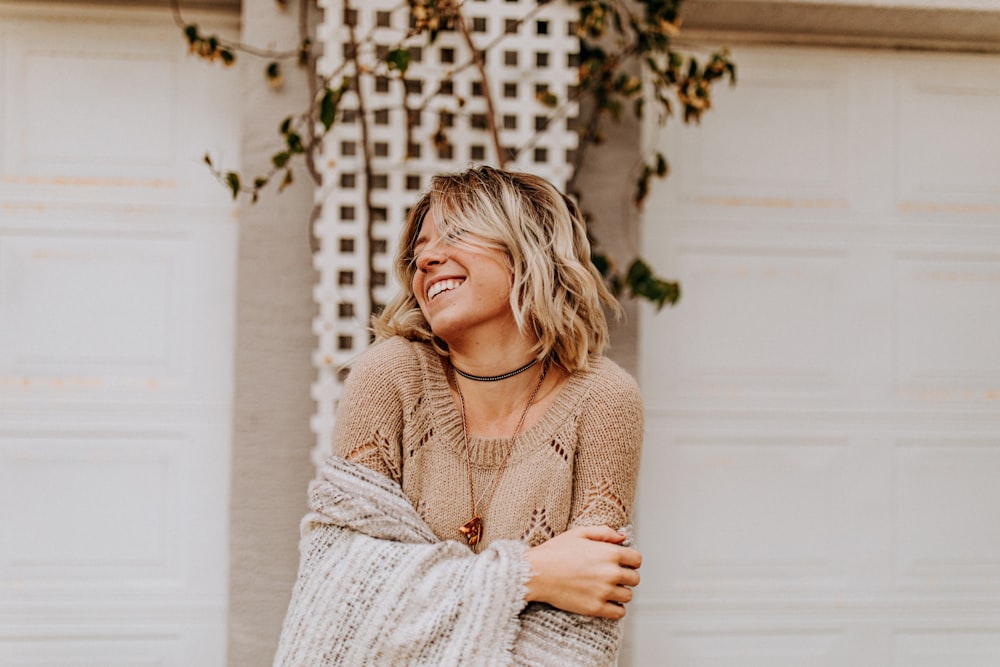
x: 616, y: 38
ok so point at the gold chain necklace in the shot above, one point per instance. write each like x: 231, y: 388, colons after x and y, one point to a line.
x: 473, y: 528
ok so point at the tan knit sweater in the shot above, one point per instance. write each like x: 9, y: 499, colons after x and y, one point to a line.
x: 576, y: 466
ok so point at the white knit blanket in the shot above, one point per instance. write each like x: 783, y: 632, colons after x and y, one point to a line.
x: 377, y: 587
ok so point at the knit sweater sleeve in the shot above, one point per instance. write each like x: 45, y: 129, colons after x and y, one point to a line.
x: 606, y: 466
x: 369, y: 424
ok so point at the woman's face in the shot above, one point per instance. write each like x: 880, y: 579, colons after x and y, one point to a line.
x: 460, y: 290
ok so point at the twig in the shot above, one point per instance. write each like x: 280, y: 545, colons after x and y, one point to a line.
x: 367, y: 157
x: 491, y: 119
x: 175, y: 8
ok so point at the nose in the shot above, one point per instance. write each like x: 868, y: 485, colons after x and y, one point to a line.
x: 430, y: 255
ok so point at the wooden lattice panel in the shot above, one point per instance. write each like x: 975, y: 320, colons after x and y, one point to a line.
x: 432, y: 120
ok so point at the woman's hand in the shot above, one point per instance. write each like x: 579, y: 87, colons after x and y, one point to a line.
x: 584, y: 571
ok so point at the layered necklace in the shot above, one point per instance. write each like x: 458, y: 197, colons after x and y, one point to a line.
x: 473, y: 528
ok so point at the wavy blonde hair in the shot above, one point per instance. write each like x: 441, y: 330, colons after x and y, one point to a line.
x: 557, y: 295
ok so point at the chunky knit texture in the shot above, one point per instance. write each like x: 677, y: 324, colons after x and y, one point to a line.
x: 576, y: 466
x: 377, y: 587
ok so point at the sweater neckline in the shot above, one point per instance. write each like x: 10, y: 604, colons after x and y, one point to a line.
x: 487, y: 452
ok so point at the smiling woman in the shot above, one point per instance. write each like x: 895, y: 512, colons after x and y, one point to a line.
x: 486, y: 452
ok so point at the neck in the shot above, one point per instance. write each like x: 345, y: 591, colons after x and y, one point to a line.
x: 495, y: 378
x: 493, y: 356
x: 493, y: 409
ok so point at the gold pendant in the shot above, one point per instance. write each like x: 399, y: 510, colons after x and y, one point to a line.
x: 472, y: 530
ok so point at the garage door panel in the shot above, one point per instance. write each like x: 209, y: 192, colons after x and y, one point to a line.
x: 89, y: 302
x: 108, y: 513
x: 947, y: 514
x: 760, y: 154
x: 756, y: 321
x: 944, y: 167
x: 758, y: 512
x: 172, y: 644
x: 945, y: 338
x: 113, y: 113
x: 70, y: 651
x: 110, y: 516
x: 102, y: 313
x: 954, y: 647
x: 90, y: 97
x: 98, y: 112
x: 775, y: 646
x: 759, y: 515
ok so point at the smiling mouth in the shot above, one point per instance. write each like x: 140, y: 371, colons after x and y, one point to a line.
x: 442, y: 286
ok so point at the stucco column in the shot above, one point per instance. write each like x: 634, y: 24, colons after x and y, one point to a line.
x: 607, y: 180
x: 274, y: 343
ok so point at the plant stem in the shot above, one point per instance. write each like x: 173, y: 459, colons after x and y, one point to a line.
x: 491, y: 118
x: 367, y: 158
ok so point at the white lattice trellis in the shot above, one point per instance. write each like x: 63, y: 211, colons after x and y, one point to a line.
x: 433, y: 121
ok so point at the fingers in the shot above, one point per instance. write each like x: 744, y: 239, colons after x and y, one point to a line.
x: 612, y: 610
x: 599, y: 533
x: 629, y: 557
x: 621, y: 597
x: 628, y: 577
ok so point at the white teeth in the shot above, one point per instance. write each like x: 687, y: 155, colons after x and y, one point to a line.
x: 442, y: 286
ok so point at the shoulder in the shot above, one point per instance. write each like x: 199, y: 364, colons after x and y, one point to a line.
x: 611, y: 399
x: 387, y: 355
x: 609, y: 381
x: 391, y: 362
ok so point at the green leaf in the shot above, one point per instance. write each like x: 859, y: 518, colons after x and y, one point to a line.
x: 601, y: 262
x: 662, y: 166
x: 191, y: 32
x: 547, y: 99
x: 643, y: 283
x: 398, y: 59
x: 328, y: 108
x: 286, y: 125
x: 295, y: 144
x: 286, y: 181
x: 233, y: 180
x: 273, y: 71
x: 305, y: 52
x: 642, y: 185
x: 279, y: 160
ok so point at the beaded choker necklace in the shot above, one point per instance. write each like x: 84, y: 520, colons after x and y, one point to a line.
x: 495, y: 378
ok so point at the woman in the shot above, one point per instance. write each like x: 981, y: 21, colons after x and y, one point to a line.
x: 494, y: 421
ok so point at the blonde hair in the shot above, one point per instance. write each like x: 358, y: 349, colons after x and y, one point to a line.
x: 556, y: 293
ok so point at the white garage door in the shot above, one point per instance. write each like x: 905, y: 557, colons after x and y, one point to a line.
x: 821, y: 480
x: 116, y: 308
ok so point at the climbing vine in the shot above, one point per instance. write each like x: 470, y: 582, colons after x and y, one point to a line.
x: 626, y: 61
